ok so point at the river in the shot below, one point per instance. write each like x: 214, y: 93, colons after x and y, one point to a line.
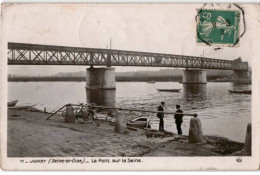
x: 221, y: 113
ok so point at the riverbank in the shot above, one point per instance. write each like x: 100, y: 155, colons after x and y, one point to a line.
x: 30, y: 135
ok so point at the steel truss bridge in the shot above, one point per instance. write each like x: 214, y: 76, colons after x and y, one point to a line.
x: 33, y: 54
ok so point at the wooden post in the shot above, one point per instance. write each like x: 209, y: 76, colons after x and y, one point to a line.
x: 248, y: 140
x: 120, y: 122
x: 69, y: 117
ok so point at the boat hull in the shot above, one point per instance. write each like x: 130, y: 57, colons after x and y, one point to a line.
x: 137, y: 124
x: 240, y: 91
x: 12, y: 103
x: 169, y: 90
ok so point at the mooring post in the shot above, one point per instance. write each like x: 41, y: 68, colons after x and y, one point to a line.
x: 120, y: 122
x: 248, y: 140
x: 69, y: 117
x: 195, y: 131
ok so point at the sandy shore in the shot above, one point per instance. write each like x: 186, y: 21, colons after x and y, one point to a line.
x: 30, y: 135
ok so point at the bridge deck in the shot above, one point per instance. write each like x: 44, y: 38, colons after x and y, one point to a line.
x: 32, y: 54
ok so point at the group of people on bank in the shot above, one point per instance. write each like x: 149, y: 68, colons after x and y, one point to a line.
x: 178, y: 118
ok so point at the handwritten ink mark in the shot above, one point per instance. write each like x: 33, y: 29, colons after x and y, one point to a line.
x: 239, y: 159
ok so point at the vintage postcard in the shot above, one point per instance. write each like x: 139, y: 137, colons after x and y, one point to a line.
x: 130, y: 86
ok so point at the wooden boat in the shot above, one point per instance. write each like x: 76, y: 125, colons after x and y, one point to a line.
x: 22, y: 107
x: 150, y: 82
x: 139, y: 122
x: 224, y: 79
x: 169, y: 90
x: 241, y: 91
x: 12, y: 103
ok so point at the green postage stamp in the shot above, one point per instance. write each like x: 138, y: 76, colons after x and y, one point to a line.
x: 218, y: 27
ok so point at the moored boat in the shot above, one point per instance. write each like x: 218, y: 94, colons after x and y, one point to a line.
x: 169, y: 90
x: 139, y: 122
x: 22, y: 107
x: 150, y: 81
x: 12, y: 103
x: 241, y: 91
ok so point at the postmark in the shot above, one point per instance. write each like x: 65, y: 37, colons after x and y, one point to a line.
x: 218, y: 27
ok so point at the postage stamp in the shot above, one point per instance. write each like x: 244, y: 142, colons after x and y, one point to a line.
x: 218, y: 27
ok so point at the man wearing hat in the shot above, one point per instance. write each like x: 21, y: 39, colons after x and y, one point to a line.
x: 161, y: 116
x: 178, y: 119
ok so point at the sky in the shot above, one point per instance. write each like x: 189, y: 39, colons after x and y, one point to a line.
x: 158, y: 28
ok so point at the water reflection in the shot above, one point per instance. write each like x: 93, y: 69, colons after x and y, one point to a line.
x: 193, y: 92
x: 101, y: 97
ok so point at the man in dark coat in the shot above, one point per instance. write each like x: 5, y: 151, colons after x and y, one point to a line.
x: 178, y: 119
x: 161, y: 116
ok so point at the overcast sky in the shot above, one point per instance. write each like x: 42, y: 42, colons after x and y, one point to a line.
x: 150, y: 28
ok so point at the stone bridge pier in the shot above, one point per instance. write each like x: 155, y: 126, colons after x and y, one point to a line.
x: 241, y: 76
x: 194, y: 76
x: 100, y: 78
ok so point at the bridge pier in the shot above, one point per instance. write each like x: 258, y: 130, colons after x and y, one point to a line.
x: 241, y: 76
x: 194, y: 76
x: 100, y: 78
x: 101, y: 97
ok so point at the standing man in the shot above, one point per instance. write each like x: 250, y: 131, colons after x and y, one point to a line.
x: 161, y: 116
x: 178, y: 119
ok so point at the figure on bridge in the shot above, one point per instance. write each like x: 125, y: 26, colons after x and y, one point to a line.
x: 161, y: 116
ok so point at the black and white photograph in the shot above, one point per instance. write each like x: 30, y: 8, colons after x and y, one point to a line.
x: 130, y: 86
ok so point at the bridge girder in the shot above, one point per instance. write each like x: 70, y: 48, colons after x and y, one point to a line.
x: 32, y: 54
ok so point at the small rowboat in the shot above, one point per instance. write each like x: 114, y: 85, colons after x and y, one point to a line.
x: 169, y: 90
x: 150, y: 82
x: 12, y: 103
x: 139, y: 122
x: 22, y: 107
x: 241, y: 91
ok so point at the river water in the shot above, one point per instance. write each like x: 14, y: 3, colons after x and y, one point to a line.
x: 221, y: 113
